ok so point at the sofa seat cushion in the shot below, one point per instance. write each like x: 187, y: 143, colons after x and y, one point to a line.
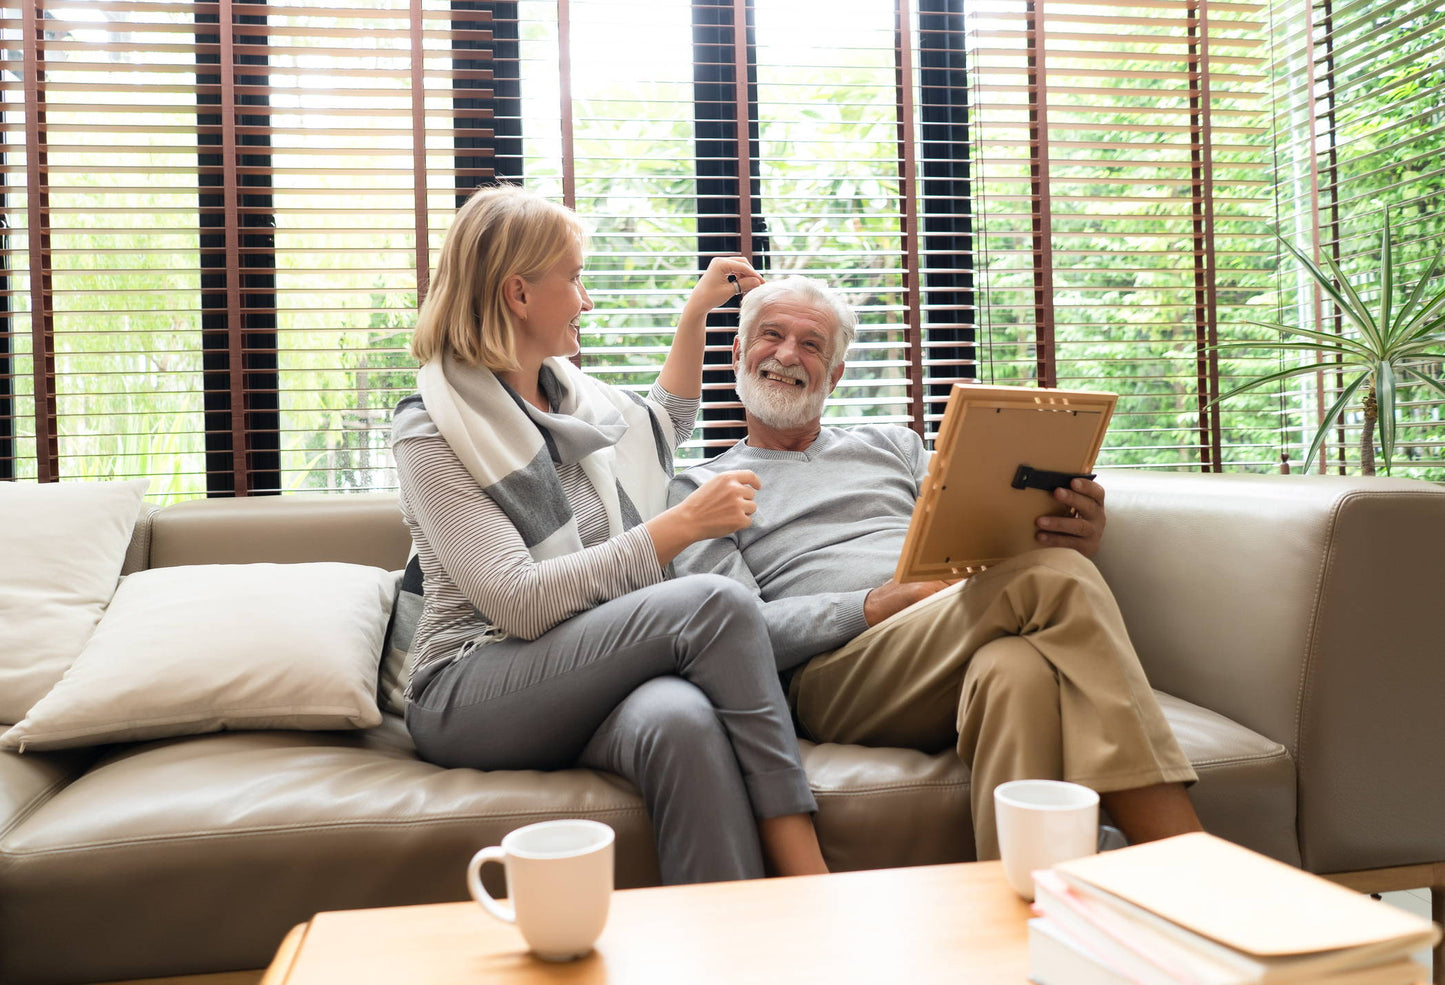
x: 879, y: 807
x: 1247, y: 782
x: 26, y: 782
x: 198, y: 854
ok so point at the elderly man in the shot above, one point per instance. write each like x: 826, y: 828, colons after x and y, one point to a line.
x: 1026, y: 668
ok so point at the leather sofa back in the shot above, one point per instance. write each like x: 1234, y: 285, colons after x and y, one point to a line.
x: 364, y: 528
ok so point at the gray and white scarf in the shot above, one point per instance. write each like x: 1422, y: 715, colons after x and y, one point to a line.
x: 622, y: 442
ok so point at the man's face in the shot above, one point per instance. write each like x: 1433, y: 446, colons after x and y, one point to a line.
x: 784, y: 375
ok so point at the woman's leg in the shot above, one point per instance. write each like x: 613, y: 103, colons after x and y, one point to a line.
x: 666, y: 739
x: 791, y: 844
x: 536, y: 705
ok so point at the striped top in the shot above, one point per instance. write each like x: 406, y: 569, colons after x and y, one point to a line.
x: 480, y: 581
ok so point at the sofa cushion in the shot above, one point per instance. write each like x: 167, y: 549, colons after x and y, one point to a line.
x: 201, y: 853
x: 63, y: 545
x: 1247, y: 782
x: 207, y: 647
x: 26, y: 782
x: 880, y: 807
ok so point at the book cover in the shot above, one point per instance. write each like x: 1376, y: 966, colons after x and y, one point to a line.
x: 1152, y: 952
x: 1246, y: 901
x: 1143, y: 953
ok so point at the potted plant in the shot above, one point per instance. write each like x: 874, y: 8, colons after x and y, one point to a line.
x: 1382, y: 346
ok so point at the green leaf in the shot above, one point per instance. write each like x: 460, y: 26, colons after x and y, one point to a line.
x: 1273, y: 377
x: 1327, y: 285
x: 1437, y: 385
x: 1329, y: 339
x: 1385, y: 410
x: 1387, y: 277
x: 1428, y: 319
x: 1335, y: 346
x: 1335, y: 410
x: 1418, y: 291
x: 1354, y: 309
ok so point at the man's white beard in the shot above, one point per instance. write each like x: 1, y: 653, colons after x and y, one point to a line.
x: 784, y: 409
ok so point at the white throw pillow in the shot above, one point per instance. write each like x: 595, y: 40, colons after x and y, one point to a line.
x: 62, y: 545
x: 201, y: 648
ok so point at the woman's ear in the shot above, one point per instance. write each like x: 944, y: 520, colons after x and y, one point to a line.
x: 514, y: 293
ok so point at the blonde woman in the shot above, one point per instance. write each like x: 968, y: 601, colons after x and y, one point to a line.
x: 551, y: 636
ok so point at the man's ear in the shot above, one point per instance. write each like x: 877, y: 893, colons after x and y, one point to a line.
x: 737, y: 352
x: 514, y: 293
x: 835, y: 376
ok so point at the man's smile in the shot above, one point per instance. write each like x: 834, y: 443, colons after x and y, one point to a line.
x: 780, y: 378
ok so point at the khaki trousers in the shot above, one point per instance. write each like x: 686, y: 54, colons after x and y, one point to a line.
x: 1026, y: 667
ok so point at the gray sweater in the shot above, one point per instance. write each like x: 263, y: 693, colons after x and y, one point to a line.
x: 829, y: 528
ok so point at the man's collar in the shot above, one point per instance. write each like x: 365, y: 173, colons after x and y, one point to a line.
x: 772, y: 439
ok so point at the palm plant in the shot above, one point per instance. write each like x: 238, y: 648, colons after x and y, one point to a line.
x: 1381, y: 348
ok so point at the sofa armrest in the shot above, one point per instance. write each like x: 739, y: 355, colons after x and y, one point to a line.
x: 1304, y: 607
x: 138, y: 552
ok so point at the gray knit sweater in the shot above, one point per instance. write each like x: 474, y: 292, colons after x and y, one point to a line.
x: 829, y: 528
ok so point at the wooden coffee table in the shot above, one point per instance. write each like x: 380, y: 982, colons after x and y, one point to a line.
x: 938, y: 923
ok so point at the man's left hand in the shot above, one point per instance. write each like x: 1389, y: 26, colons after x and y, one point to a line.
x: 1083, y: 529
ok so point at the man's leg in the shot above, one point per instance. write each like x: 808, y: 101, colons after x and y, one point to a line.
x: 1152, y: 812
x: 902, y: 681
x: 1007, y: 683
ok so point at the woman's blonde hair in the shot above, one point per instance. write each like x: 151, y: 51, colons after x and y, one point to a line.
x: 500, y: 232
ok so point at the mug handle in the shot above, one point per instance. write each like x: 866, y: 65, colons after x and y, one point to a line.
x: 474, y: 883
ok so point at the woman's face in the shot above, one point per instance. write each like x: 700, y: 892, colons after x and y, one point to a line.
x: 549, y: 324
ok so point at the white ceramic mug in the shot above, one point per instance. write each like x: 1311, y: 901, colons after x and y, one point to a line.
x: 1042, y: 823
x: 559, y: 882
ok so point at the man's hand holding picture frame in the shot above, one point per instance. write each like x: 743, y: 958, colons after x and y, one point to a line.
x: 999, y: 454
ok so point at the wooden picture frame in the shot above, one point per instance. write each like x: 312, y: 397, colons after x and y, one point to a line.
x: 972, y: 512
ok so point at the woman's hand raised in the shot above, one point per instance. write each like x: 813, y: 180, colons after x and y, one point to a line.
x: 681, y: 373
x: 723, y: 504
x: 713, y: 287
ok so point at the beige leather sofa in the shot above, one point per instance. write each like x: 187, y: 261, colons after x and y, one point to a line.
x: 1291, y: 624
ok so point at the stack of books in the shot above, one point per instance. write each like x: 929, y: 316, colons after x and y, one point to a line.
x: 1199, y: 910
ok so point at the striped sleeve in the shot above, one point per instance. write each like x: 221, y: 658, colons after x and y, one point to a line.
x: 682, y: 411
x: 483, y: 556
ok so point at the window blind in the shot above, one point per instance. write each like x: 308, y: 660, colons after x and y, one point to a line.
x: 218, y: 218
x: 1359, y: 87
x: 1122, y: 205
x: 216, y: 290
x: 826, y: 182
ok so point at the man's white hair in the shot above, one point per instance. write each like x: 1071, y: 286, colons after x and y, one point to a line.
x: 811, y: 292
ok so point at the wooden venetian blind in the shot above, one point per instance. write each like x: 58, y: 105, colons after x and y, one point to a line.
x: 812, y: 136
x: 1123, y: 206
x: 1358, y: 92
x: 218, y: 217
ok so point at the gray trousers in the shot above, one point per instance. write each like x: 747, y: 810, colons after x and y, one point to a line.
x: 672, y: 686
